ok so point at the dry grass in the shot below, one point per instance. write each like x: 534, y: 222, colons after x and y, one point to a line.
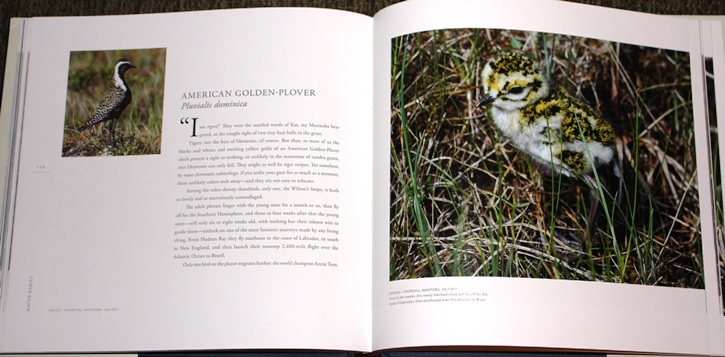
x: 465, y: 201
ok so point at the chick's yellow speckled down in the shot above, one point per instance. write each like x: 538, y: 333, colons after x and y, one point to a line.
x: 543, y: 120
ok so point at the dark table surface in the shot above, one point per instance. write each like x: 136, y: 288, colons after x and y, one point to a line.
x: 31, y: 8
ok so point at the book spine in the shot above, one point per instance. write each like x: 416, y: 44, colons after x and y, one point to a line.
x: 10, y: 124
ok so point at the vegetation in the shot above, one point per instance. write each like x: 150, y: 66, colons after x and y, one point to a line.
x: 466, y: 201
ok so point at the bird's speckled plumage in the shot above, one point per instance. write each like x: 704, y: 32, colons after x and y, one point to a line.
x: 543, y: 120
x: 115, y: 101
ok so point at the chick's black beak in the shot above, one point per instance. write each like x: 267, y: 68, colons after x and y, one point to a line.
x: 485, y: 100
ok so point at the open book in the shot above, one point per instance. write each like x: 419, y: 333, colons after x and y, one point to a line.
x: 317, y: 179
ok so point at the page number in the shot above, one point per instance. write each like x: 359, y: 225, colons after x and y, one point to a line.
x: 40, y: 169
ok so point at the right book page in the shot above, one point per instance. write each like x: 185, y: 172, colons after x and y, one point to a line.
x: 558, y: 196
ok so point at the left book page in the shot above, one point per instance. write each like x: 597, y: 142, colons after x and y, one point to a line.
x: 223, y: 204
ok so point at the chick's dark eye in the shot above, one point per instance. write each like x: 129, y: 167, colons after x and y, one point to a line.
x: 516, y: 90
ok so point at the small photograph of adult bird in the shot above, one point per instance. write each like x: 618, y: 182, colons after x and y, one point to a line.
x: 114, y: 103
x: 539, y: 155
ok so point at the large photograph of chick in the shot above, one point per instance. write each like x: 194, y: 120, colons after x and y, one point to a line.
x: 538, y: 155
